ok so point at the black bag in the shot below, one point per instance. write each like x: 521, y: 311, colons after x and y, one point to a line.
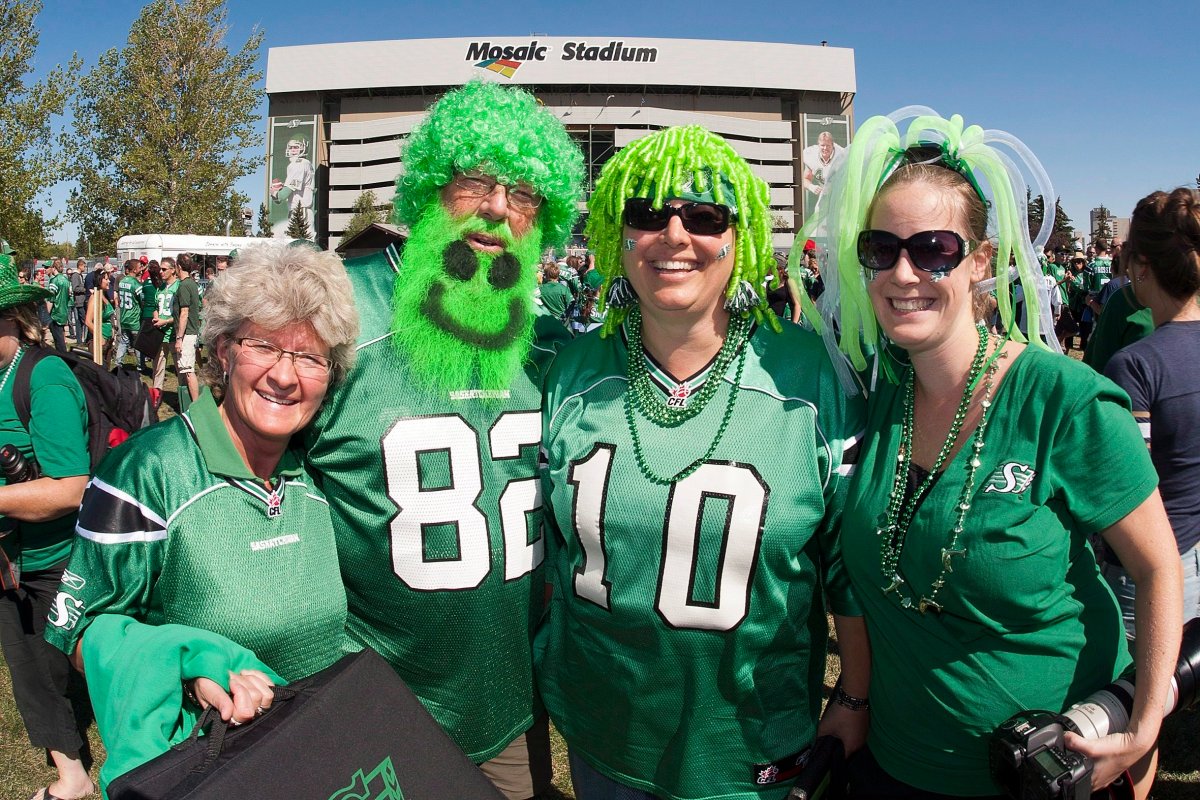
x: 118, y: 403
x: 351, y: 732
x: 149, y: 339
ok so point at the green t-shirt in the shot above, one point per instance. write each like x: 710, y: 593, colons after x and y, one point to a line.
x: 58, y: 439
x: 149, y: 299
x: 176, y: 529
x: 129, y: 302
x: 438, y: 514
x: 61, y: 308
x: 1096, y: 274
x: 1122, y: 323
x: 684, y: 650
x: 555, y: 298
x: 593, y: 280
x: 187, y: 295
x: 165, y: 301
x: 1027, y: 620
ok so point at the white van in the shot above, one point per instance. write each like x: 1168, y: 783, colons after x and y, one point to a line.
x: 157, y: 246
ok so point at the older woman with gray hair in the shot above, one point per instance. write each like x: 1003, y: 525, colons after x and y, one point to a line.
x: 209, y: 523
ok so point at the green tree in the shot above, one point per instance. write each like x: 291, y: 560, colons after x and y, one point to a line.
x: 164, y: 125
x: 30, y: 159
x: 1063, y: 233
x: 233, y: 214
x: 365, y: 214
x: 298, y: 226
x: 264, y: 222
x: 1103, y: 230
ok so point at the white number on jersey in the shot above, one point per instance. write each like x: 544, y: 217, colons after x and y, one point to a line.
x: 457, y: 503
x: 737, y: 484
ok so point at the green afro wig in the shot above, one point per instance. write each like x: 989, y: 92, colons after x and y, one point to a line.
x: 693, y: 163
x: 504, y: 132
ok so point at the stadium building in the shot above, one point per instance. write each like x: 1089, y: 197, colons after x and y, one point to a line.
x: 339, y: 111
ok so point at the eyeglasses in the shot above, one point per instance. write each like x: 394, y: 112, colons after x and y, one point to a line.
x: 930, y: 251
x: 476, y: 184
x: 265, y: 354
x: 702, y: 219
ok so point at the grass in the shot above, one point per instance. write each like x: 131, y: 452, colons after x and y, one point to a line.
x: 23, y: 770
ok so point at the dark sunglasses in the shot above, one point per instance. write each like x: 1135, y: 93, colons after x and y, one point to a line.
x: 931, y: 251
x: 702, y: 219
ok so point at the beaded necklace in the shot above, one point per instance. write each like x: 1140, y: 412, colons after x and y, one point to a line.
x: 900, y: 511
x: 11, y: 366
x: 650, y: 405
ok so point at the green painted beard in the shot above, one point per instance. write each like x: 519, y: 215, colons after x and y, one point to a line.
x: 460, y: 315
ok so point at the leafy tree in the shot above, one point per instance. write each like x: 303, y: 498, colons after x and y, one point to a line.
x: 61, y: 250
x: 30, y: 161
x: 164, y: 125
x: 365, y: 214
x: 264, y: 222
x: 1062, y: 234
x: 233, y: 214
x: 82, y: 246
x: 298, y: 226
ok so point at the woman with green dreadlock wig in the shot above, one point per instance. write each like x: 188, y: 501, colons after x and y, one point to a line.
x: 966, y: 528
x: 697, y: 451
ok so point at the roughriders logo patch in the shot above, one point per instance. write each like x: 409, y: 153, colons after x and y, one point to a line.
x: 66, y: 612
x: 378, y: 784
x: 678, y: 398
x: 1010, y: 478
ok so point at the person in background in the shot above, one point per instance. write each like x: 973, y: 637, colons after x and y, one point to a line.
x: 99, y: 303
x: 555, y: 295
x: 150, y: 287
x: 164, y: 318
x: 59, y: 304
x: 185, y: 308
x: 1162, y: 258
x: 129, y: 311
x: 148, y: 554
x: 38, y: 524
x: 1123, y: 321
x: 966, y: 529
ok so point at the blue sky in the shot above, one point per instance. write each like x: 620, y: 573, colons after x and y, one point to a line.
x: 1105, y: 93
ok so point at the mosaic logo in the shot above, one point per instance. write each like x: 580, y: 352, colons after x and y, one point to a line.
x: 504, y: 60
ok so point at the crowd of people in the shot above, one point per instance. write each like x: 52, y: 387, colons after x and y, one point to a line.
x: 627, y: 490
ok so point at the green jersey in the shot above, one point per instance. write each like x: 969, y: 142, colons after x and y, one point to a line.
x: 175, y: 528
x: 149, y: 299
x: 61, y: 301
x: 166, y: 300
x: 57, y: 438
x: 684, y: 650
x: 1027, y: 622
x: 438, y: 510
x: 129, y: 303
x: 1096, y: 274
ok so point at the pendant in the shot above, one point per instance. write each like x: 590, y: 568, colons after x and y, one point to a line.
x: 948, y: 554
x: 928, y: 605
x: 894, y: 585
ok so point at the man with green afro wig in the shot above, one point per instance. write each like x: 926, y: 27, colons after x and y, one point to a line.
x: 427, y: 452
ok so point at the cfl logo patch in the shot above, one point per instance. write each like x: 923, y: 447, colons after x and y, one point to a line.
x: 66, y: 612
x: 1010, y: 478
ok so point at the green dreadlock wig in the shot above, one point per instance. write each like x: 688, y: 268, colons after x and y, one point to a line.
x: 693, y: 163
x: 503, y: 131
x: 878, y: 152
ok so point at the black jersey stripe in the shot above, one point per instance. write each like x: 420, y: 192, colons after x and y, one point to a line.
x: 110, y: 516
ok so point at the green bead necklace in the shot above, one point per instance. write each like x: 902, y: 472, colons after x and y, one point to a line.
x: 649, y: 402
x: 900, y: 512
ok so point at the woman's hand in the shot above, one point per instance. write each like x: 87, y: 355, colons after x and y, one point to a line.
x: 849, y: 726
x: 250, y: 694
x: 1112, y: 754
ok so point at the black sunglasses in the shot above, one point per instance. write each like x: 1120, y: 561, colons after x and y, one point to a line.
x: 702, y: 219
x: 931, y: 251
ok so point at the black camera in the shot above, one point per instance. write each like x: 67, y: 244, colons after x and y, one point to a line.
x: 1028, y: 758
x: 16, y: 467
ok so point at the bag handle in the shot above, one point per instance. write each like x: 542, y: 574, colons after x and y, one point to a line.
x: 215, y: 728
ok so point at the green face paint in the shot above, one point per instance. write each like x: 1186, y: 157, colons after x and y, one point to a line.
x: 458, y: 312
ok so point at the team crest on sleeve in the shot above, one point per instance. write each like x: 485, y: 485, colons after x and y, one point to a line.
x: 66, y: 612
x: 1010, y: 478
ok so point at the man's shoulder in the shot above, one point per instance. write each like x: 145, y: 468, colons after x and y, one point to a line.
x: 373, y: 278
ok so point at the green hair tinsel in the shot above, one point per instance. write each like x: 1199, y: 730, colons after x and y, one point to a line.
x: 876, y: 154
x: 503, y: 131
x: 684, y: 162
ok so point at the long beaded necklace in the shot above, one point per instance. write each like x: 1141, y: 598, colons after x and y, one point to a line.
x: 900, y: 511
x: 650, y: 405
x: 11, y: 366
